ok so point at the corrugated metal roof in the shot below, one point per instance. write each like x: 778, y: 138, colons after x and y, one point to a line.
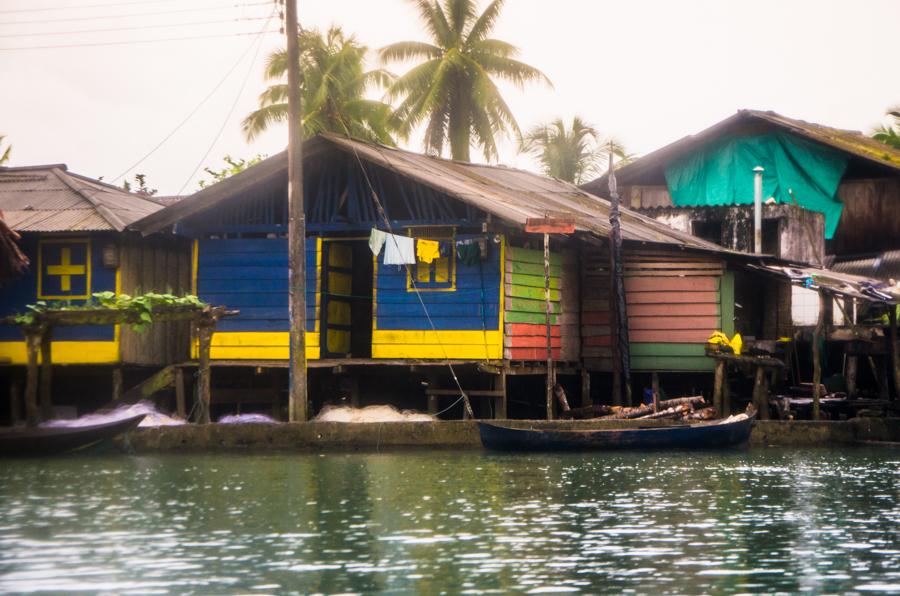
x: 509, y: 194
x: 52, y: 199
x: 834, y: 282
x: 852, y: 142
x: 883, y: 266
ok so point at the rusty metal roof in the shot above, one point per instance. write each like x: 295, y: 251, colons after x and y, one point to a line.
x: 885, y: 265
x: 509, y: 194
x: 52, y: 199
x: 852, y: 142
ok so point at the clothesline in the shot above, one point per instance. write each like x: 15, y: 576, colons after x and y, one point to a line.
x: 408, y: 250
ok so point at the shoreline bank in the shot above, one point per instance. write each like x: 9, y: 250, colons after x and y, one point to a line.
x: 461, y: 434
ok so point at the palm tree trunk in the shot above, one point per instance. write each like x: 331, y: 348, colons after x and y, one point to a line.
x: 460, y: 128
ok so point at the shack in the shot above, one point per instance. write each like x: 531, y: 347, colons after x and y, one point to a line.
x: 831, y: 199
x: 73, y: 231
x: 376, y: 331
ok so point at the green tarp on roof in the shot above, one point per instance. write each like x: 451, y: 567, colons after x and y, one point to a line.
x: 721, y: 173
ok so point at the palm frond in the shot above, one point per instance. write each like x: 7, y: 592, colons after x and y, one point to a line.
x: 485, y: 23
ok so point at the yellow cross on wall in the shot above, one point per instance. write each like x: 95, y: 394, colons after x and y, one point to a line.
x: 66, y: 270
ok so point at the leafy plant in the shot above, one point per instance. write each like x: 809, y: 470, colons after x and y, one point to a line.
x: 138, y: 310
x: 233, y: 166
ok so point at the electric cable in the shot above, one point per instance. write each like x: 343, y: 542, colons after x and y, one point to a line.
x: 237, y: 98
x: 133, y: 14
x: 136, y: 28
x: 136, y: 42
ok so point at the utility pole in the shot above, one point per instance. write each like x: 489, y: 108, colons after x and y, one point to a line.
x: 298, y: 401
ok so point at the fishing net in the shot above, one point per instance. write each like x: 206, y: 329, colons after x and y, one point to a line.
x: 371, y: 414
x: 153, y: 417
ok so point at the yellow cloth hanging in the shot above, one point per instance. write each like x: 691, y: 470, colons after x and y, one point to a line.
x: 427, y: 250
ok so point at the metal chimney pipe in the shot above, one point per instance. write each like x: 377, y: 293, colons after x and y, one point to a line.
x: 757, y: 208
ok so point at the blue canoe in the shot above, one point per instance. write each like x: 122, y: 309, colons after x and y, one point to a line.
x: 704, y: 435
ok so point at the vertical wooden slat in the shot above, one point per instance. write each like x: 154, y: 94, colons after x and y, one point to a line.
x: 816, y: 355
x: 32, y: 344
x: 46, y: 342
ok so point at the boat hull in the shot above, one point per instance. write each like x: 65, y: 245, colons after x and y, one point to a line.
x: 715, y: 435
x: 56, y: 440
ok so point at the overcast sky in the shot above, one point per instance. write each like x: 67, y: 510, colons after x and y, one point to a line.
x: 646, y: 72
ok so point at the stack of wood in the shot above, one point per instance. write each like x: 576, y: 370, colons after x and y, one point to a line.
x: 681, y: 408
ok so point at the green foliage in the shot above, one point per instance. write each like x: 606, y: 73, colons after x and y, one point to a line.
x: 889, y: 134
x: 139, y: 186
x: 333, y: 88
x: 137, y: 309
x: 4, y: 153
x: 574, y: 154
x: 232, y: 167
x: 453, y: 88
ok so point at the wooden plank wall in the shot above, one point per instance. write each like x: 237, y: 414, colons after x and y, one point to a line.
x: 525, y: 332
x: 466, y: 317
x: 673, y: 306
x: 155, y: 264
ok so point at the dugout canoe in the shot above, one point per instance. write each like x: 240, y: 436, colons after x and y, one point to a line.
x: 730, y: 432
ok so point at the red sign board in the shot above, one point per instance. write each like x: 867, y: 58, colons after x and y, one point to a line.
x: 550, y: 225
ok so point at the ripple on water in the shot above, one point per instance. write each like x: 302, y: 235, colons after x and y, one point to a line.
x: 763, y: 520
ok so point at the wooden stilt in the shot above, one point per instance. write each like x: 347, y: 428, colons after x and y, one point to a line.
x: 816, y: 354
x: 46, y: 375
x: 117, y: 383
x: 548, y: 305
x: 180, y: 406
x: 761, y: 393
x: 852, y: 371
x: 718, y: 386
x: 32, y: 346
x: 586, y: 388
x: 500, y: 385
x: 655, y: 388
x: 204, y: 334
x: 15, y: 402
x: 725, y: 412
x: 895, y: 350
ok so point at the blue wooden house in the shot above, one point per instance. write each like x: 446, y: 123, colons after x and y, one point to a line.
x: 74, y: 231
x: 480, y: 303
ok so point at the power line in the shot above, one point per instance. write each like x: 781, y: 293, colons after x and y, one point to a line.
x: 82, y: 6
x: 135, y: 14
x: 196, y: 108
x: 237, y: 98
x: 165, y: 26
x: 136, y: 42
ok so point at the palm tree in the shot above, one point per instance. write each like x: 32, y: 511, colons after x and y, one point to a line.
x: 334, y: 83
x: 454, y: 88
x: 569, y: 154
x: 574, y: 154
x: 890, y: 134
x: 4, y: 156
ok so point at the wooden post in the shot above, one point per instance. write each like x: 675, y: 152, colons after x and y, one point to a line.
x: 15, y: 403
x: 298, y: 405
x: 32, y: 345
x: 761, y: 393
x: 46, y: 374
x: 726, y: 395
x: 204, y: 334
x: 117, y: 383
x: 586, y: 388
x: 180, y: 406
x: 895, y: 354
x: 621, y: 347
x: 500, y: 385
x: 852, y: 371
x: 816, y: 355
x: 655, y: 384
x: 718, y: 386
x: 548, y: 306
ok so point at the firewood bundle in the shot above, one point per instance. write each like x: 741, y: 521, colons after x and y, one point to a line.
x: 681, y: 408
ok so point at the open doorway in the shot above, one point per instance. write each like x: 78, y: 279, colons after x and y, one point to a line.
x: 346, y: 315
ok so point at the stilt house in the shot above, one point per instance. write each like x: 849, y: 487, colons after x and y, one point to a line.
x: 73, y: 231
x: 480, y: 303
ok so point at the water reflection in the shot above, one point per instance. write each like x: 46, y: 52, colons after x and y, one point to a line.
x: 775, y: 520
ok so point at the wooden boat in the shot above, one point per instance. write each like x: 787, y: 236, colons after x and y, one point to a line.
x: 56, y: 440
x: 704, y: 435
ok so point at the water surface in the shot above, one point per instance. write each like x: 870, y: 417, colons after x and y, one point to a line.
x: 439, y: 521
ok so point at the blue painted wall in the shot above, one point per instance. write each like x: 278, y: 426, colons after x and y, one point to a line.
x: 23, y: 291
x: 251, y: 275
x: 474, y: 305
